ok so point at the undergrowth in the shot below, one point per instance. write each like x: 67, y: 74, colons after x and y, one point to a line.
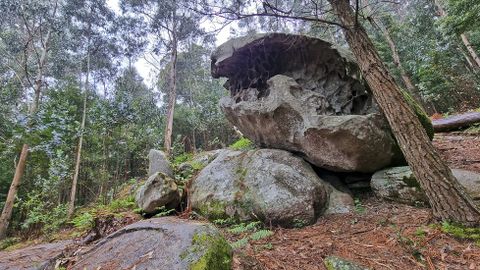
x: 251, y: 231
x: 462, y: 232
x: 242, y: 144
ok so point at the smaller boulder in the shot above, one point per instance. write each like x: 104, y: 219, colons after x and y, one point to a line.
x: 159, y: 190
x: 158, y: 162
x: 400, y: 185
x: 337, y: 263
x: 198, y: 162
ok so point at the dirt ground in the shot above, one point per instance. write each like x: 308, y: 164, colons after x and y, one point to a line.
x: 379, y: 235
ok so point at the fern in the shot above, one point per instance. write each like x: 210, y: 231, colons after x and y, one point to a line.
x: 261, y: 234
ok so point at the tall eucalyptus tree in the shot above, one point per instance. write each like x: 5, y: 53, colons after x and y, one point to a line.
x: 170, y: 25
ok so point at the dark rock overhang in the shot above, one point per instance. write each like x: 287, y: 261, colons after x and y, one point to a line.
x: 316, y: 65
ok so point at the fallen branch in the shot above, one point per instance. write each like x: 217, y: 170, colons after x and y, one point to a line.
x: 456, y: 122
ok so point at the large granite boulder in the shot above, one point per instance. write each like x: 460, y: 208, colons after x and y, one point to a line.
x: 400, y: 185
x: 160, y: 243
x: 159, y: 190
x: 158, y: 162
x: 271, y: 185
x: 303, y: 95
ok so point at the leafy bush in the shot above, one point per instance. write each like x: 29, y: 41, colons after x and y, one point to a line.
x: 43, y: 216
x: 84, y: 221
x: 242, y: 144
x: 184, y: 157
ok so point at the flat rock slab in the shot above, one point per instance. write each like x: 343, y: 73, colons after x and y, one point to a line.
x: 35, y: 257
x: 160, y: 243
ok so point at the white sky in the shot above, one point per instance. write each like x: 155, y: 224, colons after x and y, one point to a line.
x: 145, y: 69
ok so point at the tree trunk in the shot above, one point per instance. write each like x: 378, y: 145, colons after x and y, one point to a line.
x: 20, y: 169
x: 470, y: 49
x: 73, y: 191
x: 448, y: 199
x: 463, y: 37
x: 456, y: 122
x: 398, y: 63
x: 172, y: 95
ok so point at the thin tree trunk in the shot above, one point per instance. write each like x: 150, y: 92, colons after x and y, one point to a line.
x: 73, y: 191
x: 463, y: 37
x: 398, y: 63
x: 172, y: 94
x: 448, y: 199
x: 470, y: 49
x: 20, y: 169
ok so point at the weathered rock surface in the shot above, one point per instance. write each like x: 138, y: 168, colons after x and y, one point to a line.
x: 303, y: 95
x: 199, y: 161
x: 36, y: 257
x: 399, y: 184
x: 337, y: 263
x: 160, y: 243
x: 159, y: 190
x: 158, y: 162
x: 272, y: 185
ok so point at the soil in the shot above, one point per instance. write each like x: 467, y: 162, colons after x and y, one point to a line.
x: 462, y: 151
x: 379, y: 235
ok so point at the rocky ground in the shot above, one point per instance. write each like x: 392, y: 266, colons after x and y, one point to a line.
x: 378, y: 235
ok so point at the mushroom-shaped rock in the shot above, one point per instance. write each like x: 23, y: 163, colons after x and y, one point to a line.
x: 303, y: 95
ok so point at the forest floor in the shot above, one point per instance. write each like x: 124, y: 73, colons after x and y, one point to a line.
x: 379, y: 235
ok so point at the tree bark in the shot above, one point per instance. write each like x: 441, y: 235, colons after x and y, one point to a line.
x: 172, y: 93
x: 448, y: 199
x: 20, y: 169
x: 470, y: 49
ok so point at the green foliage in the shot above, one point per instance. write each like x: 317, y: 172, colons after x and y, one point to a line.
x: 420, y: 113
x: 163, y: 212
x: 42, y: 215
x: 299, y: 223
x: 242, y: 144
x: 184, y: 157
x: 217, y: 253
x: 224, y: 222
x: 359, y: 208
x: 462, y: 232
x: 7, y: 242
x: 83, y: 221
x: 251, y: 231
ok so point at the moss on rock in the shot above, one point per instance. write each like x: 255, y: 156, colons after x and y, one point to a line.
x: 213, y: 210
x: 217, y: 253
x: 336, y: 263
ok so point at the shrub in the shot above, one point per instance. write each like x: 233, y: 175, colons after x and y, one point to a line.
x: 242, y: 144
